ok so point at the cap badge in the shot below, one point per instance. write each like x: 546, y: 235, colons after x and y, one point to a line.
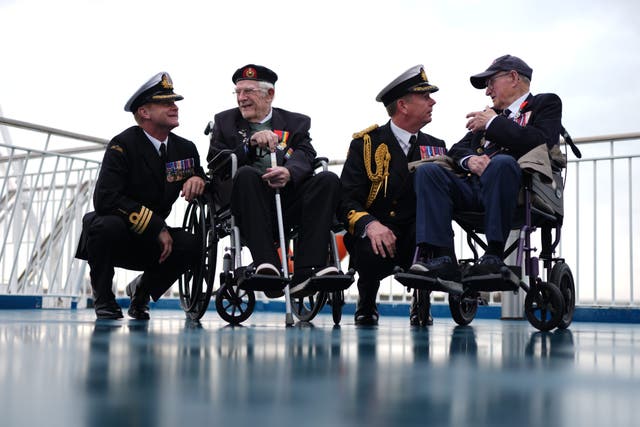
x: 423, y: 75
x: 166, y: 82
x: 249, y: 73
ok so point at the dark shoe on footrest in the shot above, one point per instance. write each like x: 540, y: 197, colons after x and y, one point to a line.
x: 301, y: 279
x: 441, y: 267
x: 487, y: 264
x: 268, y: 269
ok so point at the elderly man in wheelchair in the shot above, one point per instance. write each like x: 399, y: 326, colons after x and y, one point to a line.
x: 483, y: 174
x: 264, y: 187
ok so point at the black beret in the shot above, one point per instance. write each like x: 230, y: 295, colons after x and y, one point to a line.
x: 254, y: 72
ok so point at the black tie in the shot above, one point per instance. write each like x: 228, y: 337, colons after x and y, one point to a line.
x: 412, y: 147
x: 506, y: 113
x: 163, y: 154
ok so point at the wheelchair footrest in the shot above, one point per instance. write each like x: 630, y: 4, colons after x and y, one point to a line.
x: 330, y: 283
x: 261, y: 282
x: 417, y: 281
x: 505, y: 280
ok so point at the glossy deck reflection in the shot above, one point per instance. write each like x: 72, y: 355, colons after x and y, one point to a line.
x: 62, y: 368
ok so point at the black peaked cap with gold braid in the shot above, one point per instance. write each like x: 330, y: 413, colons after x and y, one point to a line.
x: 158, y: 88
x: 414, y: 80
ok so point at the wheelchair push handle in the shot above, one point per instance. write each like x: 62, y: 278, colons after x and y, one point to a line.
x: 568, y: 140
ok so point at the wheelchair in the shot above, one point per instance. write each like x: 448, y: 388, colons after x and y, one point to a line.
x: 549, y: 303
x: 209, y: 218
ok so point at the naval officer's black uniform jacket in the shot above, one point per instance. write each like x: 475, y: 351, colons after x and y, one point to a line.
x: 133, y: 196
x: 390, y: 200
x: 308, y: 200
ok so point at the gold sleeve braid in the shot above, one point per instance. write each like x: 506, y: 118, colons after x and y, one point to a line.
x: 382, y: 158
x: 140, y: 220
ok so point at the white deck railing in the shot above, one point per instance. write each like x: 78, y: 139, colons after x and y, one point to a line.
x: 44, y: 191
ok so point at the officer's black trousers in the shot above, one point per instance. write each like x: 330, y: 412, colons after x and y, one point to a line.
x: 111, y: 244
x: 373, y: 268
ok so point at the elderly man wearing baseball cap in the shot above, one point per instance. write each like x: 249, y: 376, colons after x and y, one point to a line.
x: 144, y: 170
x: 488, y: 175
x: 378, y: 203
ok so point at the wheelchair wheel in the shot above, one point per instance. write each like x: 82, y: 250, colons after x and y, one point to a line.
x: 561, y: 277
x: 306, y: 308
x: 336, y: 300
x: 234, y: 305
x: 544, y: 306
x: 463, y: 308
x: 196, y: 285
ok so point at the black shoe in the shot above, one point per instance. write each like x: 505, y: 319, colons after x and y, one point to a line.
x: 367, y: 319
x: 441, y: 267
x: 139, y: 307
x: 267, y: 269
x: 109, y: 311
x: 138, y: 313
x: 366, y: 316
x: 414, y: 312
x: 299, y: 286
x: 414, y: 320
x: 487, y: 264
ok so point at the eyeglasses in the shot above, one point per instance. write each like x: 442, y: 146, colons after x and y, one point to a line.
x: 492, y: 80
x: 248, y: 91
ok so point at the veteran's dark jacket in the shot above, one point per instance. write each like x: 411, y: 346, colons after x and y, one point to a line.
x: 135, y: 185
x: 395, y: 201
x: 232, y: 132
x: 543, y: 114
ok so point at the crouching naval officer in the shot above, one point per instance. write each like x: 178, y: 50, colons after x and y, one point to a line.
x: 143, y: 171
x: 378, y: 203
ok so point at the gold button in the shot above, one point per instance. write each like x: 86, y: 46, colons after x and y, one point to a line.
x: 392, y: 214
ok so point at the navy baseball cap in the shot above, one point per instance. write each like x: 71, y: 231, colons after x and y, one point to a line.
x: 504, y: 63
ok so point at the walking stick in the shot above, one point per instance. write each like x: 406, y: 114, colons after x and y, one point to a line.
x: 283, y: 250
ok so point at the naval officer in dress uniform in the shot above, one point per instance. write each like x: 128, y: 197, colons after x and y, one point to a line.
x: 144, y: 170
x: 378, y: 204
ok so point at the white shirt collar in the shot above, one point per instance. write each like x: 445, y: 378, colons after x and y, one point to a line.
x: 515, y: 107
x: 266, y: 119
x: 402, y: 136
x: 156, y: 142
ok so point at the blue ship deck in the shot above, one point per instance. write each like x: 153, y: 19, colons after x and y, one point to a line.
x: 63, y: 368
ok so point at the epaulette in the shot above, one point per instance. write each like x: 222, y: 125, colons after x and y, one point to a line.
x: 362, y: 133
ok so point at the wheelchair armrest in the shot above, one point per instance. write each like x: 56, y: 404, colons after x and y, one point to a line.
x: 321, y: 162
x: 221, y: 161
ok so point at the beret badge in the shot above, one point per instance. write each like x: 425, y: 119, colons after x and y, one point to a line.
x: 249, y: 73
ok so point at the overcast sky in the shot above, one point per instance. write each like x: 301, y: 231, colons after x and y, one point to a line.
x: 72, y: 64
